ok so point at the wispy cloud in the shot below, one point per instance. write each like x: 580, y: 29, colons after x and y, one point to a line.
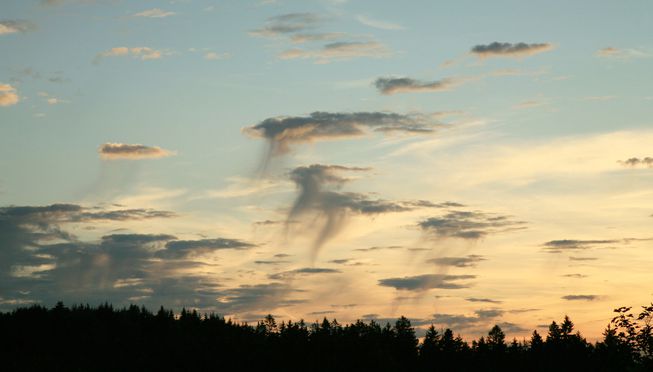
x: 142, y: 53
x: 15, y: 26
x: 52, y: 2
x: 326, y: 36
x: 213, y: 56
x: 154, y: 13
x: 287, y: 24
x: 375, y: 23
x: 516, y: 50
x: 115, y: 151
x: 468, y: 261
x: 8, y: 95
x: 481, y: 318
x: 485, y: 300
x: 340, y: 51
x: 240, y: 187
x: 427, y: 281
x: 529, y: 104
x: 618, y: 53
x: 52, y: 100
x: 303, y: 272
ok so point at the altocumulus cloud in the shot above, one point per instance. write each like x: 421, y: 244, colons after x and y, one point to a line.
x: 116, y: 151
x: 8, y: 95
x: 646, y: 162
x: 389, y: 85
x: 427, y: 281
x: 516, y: 50
x: 184, y: 248
x: 284, y: 131
x: 561, y: 245
x: 580, y: 297
x: 468, y: 225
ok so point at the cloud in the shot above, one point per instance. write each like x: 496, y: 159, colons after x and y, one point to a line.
x: 63, y: 213
x: 15, y: 26
x: 427, y: 281
x: 116, y: 151
x: 558, y: 246
x: 154, y: 13
x: 302, y: 272
x: 485, y: 300
x: 468, y: 261
x: 481, y: 318
x: 367, y: 21
x: 497, y: 49
x: 624, y: 54
x: 52, y: 2
x: 330, y: 207
x: 260, y: 297
x: 213, y: 56
x: 271, y: 262
x: 471, y: 225
x: 142, y: 53
x: 325, y: 312
x: 326, y: 36
x: 8, y: 95
x: 186, y: 248
x: 41, y: 261
x: 580, y: 297
x: 637, y: 162
x: 599, y: 98
x: 371, y: 249
x: 123, y: 215
x: 391, y: 86
x: 284, y: 131
x: 287, y: 24
x: 529, y: 104
x: 583, y: 258
x: 575, y: 276
x: 339, y: 51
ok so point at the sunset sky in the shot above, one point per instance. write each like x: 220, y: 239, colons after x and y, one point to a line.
x: 462, y: 163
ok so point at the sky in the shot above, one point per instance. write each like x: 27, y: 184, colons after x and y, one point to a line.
x: 462, y: 163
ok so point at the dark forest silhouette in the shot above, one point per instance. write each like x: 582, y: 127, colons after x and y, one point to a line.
x: 103, y: 338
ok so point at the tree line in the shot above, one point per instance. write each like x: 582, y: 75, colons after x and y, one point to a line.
x: 85, y: 338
